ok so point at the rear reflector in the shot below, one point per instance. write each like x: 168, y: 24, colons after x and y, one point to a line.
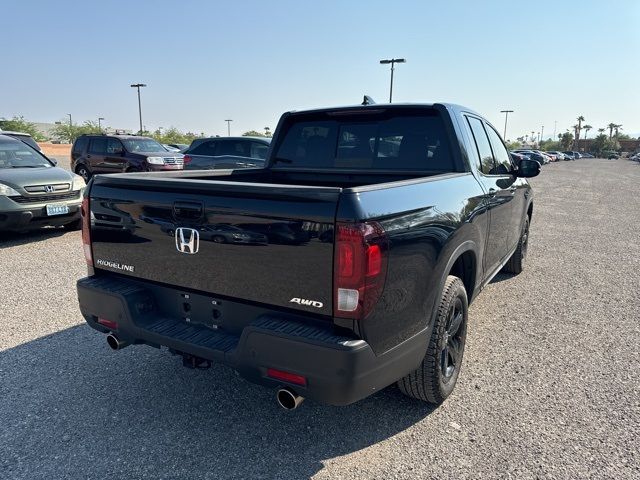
x: 111, y: 325
x: 286, y: 376
x: 186, y: 159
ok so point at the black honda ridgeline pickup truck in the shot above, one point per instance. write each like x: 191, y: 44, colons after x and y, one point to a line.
x: 347, y: 264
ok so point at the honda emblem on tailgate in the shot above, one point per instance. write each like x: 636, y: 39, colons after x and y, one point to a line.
x: 187, y: 240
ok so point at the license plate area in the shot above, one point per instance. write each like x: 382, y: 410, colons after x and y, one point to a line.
x: 53, y: 210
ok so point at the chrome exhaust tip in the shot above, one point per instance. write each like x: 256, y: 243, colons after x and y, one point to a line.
x: 115, y: 343
x: 288, y: 399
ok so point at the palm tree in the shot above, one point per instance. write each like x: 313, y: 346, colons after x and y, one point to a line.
x: 611, y: 126
x: 601, y: 130
x: 580, y: 120
x: 586, y: 132
x: 616, y: 128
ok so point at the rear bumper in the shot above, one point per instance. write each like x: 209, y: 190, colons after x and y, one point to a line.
x: 36, y: 217
x: 339, y: 370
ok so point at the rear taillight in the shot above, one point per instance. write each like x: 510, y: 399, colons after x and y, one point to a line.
x: 360, y: 268
x: 186, y: 159
x: 86, y: 236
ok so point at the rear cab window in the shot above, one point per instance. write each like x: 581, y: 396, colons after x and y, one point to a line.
x: 366, y: 139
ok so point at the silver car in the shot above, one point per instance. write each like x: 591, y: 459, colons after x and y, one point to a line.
x: 34, y: 192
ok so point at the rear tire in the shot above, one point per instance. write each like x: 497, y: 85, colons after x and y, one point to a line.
x: 434, y: 380
x: 515, y: 264
x: 219, y: 239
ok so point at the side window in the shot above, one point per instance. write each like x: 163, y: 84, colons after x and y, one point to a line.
x: 114, y: 146
x: 80, y: 144
x: 205, y: 148
x: 99, y: 146
x: 502, y: 157
x: 487, y: 164
x: 259, y: 150
x: 233, y: 148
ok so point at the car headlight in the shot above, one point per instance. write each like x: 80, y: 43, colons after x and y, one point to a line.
x: 155, y: 160
x: 78, y: 183
x: 7, y: 191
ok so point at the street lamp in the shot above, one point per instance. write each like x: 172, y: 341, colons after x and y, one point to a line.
x: 542, y: 133
x: 138, y: 85
x: 99, y: 124
x: 506, y: 115
x: 228, y: 127
x: 70, y: 129
x: 392, y: 61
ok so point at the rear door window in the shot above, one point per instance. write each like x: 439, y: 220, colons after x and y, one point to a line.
x: 205, y: 148
x: 373, y: 139
x: 98, y: 146
x: 235, y: 148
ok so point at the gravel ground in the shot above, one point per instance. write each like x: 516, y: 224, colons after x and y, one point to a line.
x: 549, y: 388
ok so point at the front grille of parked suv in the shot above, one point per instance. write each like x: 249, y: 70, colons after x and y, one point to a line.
x: 56, y: 197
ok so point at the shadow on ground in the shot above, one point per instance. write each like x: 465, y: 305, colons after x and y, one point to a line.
x: 72, y: 407
x: 15, y: 239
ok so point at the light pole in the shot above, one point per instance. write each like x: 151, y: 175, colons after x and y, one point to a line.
x: 506, y: 115
x: 70, y: 129
x: 100, y: 124
x: 392, y: 61
x: 228, y: 127
x: 555, y: 125
x: 542, y: 133
x: 138, y: 85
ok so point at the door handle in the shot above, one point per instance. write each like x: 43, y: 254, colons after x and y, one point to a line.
x: 512, y: 190
x: 88, y: 156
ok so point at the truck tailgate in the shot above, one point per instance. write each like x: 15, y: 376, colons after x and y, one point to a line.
x: 270, y: 244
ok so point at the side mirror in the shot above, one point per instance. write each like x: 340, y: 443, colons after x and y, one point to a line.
x: 527, y: 168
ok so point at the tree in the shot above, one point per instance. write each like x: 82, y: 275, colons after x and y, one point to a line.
x: 617, y: 128
x: 19, y: 124
x: 611, y: 126
x: 253, y: 133
x: 267, y: 132
x: 69, y: 132
x: 586, y: 130
x: 566, y: 139
x: 173, y: 135
x: 602, y: 144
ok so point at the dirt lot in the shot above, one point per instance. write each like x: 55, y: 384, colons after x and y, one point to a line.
x: 550, y: 387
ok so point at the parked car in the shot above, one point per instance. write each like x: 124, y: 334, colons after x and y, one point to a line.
x: 23, y: 137
x: 180, y: 146
x: 534, y: 155
x: 228, y: 152
x: 415, y: 234
x: 517, y: 157
x: 610, y: 155
x: 34, y: 192
x: 93, y: 154
x: 559, y: 155
x: 569, y: 155
x: 170, y: 148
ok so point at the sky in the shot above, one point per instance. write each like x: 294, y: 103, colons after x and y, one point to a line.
x: 250, y: 61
